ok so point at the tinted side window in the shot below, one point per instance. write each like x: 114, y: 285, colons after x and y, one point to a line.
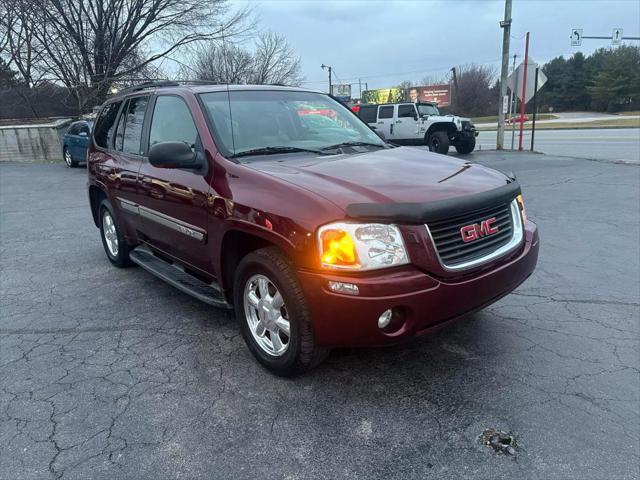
x: 172, y: 122
x: 133, y: 126
x: 119, y: 136
x: 368, y: 114
x: 73, y: 129
x: 386, y: 112
x: 83, y: 127
x: 105, y: 126
x: 406, y: 111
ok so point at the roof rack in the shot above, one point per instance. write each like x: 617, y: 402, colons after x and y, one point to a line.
x: 165, y: 83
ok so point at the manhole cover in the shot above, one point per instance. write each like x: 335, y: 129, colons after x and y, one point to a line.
x: 501, y: 442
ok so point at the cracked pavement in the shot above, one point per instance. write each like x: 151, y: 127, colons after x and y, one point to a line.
x: 110, y: 373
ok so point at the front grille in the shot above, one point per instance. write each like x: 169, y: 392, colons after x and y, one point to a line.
x: 454, y: 251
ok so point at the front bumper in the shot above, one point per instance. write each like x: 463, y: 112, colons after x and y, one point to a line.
x: 427, y: 303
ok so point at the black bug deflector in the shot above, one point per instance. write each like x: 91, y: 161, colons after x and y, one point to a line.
x: 433, y: 211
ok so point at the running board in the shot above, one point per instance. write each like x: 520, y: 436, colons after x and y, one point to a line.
x: 175, y: 276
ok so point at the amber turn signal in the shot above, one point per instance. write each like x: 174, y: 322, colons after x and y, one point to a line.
x: 338, y: 248
x: 520, y: 201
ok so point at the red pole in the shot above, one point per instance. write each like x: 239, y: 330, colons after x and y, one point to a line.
x: 523, y: 105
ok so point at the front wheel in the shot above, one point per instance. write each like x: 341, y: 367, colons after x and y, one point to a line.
x: 273, y: 313
x: 71, y: 163
x: 466, y: 146
x: 438, y: 142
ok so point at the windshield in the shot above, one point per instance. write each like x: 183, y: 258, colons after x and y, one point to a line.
x: 261, y: 119
x: 426, y: 109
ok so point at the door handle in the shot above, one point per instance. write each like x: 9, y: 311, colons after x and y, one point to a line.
x: 399, y: 121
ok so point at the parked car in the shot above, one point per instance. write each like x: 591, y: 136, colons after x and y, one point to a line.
x: 420, y: 124
x: 75, y: 143
x: 518, y: 119
x: 317, y: 237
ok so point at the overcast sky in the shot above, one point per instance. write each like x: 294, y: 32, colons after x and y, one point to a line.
x: 385, y: 42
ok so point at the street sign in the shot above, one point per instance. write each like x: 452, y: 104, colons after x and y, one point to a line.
x: 576, y: 37
x: 342, y: 91
x: 514, y: 81
x: 505, y: 104
x: 616, y: 36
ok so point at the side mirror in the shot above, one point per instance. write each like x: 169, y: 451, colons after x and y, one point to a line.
x: 174, y: 155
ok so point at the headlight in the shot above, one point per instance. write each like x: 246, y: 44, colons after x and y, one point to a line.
x: 520, y: 201
x: 357, y: 246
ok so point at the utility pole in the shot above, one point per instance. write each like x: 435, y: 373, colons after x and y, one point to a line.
x: 360, y: 88
x: 454, y: 101
x: 323, y: 66
x: 504, y: 72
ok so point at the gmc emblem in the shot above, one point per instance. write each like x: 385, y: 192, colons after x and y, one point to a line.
x: 477, y: 230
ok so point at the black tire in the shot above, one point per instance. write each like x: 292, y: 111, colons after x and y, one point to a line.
x: 438, y: 142
x: 120, y: 258
x: 302, y: 353
x: 71, y: 163
x: 466, y: 146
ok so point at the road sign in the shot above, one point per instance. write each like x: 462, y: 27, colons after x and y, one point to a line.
x: 514, y: 81
x: 616, y: 36
x: 576, y: 37
x: 505, y: 104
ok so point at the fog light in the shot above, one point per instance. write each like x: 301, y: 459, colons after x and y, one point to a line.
x: 385, y: 319
x: 342, y: 287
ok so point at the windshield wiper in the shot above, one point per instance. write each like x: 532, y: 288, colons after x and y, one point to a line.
x: 353, y: 144
x: 275, y: 150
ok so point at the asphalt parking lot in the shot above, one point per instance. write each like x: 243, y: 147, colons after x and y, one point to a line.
x: 108, y: 373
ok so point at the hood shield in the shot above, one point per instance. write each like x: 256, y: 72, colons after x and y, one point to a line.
x: 433, y: 211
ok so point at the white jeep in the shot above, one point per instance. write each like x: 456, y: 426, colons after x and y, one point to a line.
x: 420, y: 124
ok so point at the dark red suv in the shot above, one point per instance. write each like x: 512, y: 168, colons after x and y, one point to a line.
x: 282, y: 204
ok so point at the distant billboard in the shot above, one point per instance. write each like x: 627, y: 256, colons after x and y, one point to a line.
x: 440, y: 94
x: 383, y: 95
x: 342, y: 91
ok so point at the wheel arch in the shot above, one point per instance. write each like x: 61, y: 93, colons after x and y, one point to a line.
x: 96, y: 195
x: 235, y: 245
x: 448, y: 127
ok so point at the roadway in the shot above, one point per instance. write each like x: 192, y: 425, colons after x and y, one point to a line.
x: 612, y: 144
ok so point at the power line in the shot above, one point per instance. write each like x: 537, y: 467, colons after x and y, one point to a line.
x: 354, y: 79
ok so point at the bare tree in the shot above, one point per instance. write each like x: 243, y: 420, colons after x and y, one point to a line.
x: 223, y: 64
x: 273, y: 61
x: 20, y: 47
x: 474, y: 95
x: 405, y: 84
x: 90, y: 44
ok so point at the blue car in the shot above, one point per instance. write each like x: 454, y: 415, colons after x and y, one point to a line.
x: 75, y: 143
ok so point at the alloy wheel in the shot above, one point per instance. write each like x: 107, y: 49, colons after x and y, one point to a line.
x: 266, y: 315
x: 110, y: 233
x: 67, y: 158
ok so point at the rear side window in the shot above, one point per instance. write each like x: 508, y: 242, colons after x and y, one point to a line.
x: 385, y: 112
x: 133, y: 124
x: 172, y: 122
x: 73, y: 129
x: 406, y: 111
x: 368, y: 113
x: 105, y: 127
x: 83, y: 128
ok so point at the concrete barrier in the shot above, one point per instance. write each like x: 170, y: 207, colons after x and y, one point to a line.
x: 33, y: 142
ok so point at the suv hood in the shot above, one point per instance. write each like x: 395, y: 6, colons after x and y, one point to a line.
x: 394, y: 175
